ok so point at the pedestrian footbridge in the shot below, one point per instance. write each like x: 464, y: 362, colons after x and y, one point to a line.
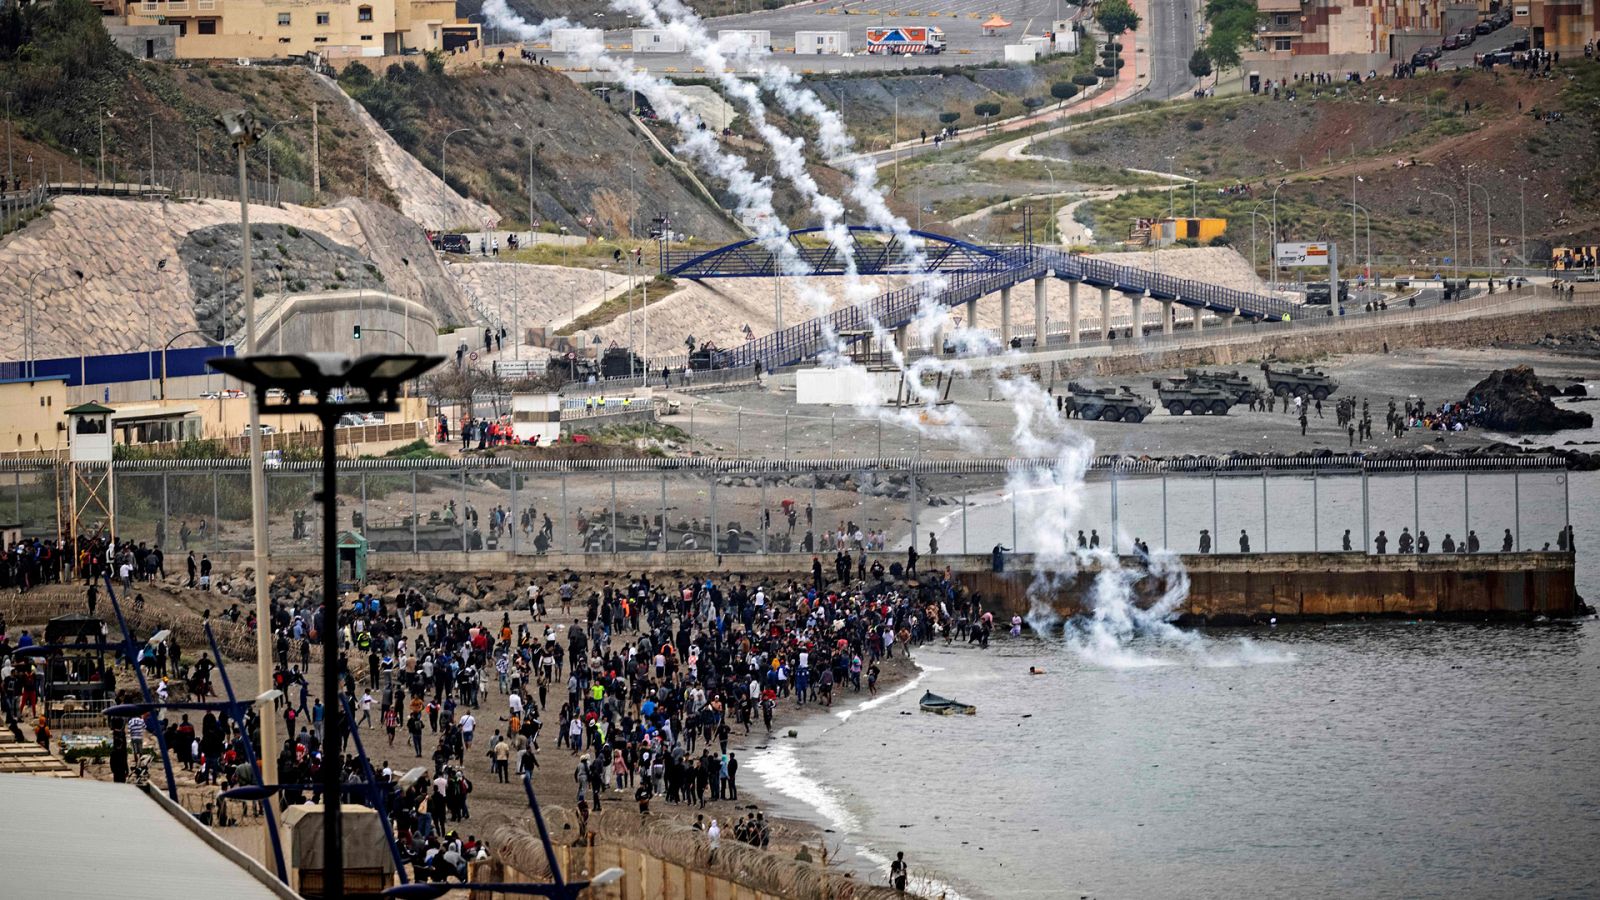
x: 971, y: 272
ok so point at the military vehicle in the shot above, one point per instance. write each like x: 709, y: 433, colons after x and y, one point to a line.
x: 1297, y: 382
x: 1184, y: 396
x: 1107, y: 404
x: 1241, y: 387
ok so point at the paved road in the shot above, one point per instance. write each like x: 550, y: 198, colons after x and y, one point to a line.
x: 1171, y: 28
x: 1486, y: 43
x: 961, y: 21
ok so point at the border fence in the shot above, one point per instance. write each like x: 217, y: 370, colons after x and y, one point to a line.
x: 1260, y: 505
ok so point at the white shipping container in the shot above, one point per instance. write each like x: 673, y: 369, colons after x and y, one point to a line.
x: 1067, y: 41
x: 821, y: 43
x: 1022, y: 53
x: 740, y: 38
x: 656, y: 40
x: 570, y: 40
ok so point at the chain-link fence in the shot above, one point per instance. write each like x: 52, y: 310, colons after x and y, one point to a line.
x: 1292, y: 504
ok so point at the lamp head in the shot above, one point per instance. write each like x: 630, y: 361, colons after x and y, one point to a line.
x: 241, y: 125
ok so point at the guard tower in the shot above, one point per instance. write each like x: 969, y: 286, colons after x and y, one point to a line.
x: 94, y: 498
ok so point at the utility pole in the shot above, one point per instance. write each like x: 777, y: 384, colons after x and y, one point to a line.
x: 100, y: 171
x: 10, y: 173
x: 152, y: 151
x: 316, y: 157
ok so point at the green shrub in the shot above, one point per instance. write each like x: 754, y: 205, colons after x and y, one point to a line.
x: 1085, y: 80
x: 1064, y: 90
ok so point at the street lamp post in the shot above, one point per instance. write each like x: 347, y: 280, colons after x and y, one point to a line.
x: 1522, y: 213
x: 1353, y: 208
x: 1488, y: 214
x: 1455, y: 232
x: 11, y: 174
x: 1272, y: 253
x: 339, y: 385
x: 275, y: 125
x: 443, y: 147
x: 244, y: 130
x: 28, y: 337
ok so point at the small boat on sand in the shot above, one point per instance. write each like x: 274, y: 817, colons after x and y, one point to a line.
x: 944, y: 706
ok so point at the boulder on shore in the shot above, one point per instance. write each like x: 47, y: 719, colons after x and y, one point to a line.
x: 1515, y: 400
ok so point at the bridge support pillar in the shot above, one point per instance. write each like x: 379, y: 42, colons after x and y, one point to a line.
x: 900, y: 335
x: 972, y: 314
x: 1199, y: 318
x: 1105, y: 313
x: 1041, y: 313
x: 1072, y: 312
x: 1005, y: 317
x: 1138, y: 317
x: 1166, y: 317
x: 1227, y: 321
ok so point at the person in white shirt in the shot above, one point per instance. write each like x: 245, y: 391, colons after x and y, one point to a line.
x: 366, y: 709
x: 468, y: 723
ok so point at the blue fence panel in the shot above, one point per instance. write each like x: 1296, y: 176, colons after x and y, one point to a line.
x: 116, y: 368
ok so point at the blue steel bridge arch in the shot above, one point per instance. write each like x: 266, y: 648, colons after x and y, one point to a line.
x: 749, y: 259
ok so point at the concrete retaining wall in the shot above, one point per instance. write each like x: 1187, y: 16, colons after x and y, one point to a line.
x: 1483, y: 331
x: 1233, y: 589
x: 1224, y: 588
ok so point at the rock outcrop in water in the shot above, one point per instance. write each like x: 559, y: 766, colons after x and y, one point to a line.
x: 1515, y: 400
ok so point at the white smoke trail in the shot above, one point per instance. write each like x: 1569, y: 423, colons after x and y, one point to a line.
x: 1115, y: 618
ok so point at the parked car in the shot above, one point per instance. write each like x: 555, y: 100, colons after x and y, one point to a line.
x: 1424, y: 56
x: 265, y: 429
x: 1484, y: 27
x: 1451, y: 43
x: 453, y: 243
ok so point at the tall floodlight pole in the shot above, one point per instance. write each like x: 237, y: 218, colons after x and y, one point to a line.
x: 244, y: 130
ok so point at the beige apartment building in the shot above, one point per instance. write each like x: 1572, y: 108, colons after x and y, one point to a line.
x: 266, y: 29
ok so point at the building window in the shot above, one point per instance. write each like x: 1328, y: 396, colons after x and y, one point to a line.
x: 322, y: 18
x: 366, y: 37
x: 283, y: 19
x: 320, y: 39
x: 364, y: 14
x: 283, y: 40
x: 183, y: 28
x: 1282, y: 21
x: 207, y: 26
x: 1281, y: 44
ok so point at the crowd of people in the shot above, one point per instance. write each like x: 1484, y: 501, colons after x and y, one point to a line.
x: 645, y: 684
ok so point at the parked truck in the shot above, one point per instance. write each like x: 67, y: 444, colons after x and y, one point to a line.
x: 905, y: 40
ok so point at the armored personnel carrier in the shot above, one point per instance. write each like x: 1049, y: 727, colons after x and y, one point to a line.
x: 1107, y: 404
x: 1241, y: 387
x: 1184, y: 395
x: 1298, y: 382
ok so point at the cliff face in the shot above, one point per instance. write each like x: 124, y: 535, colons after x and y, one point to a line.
x: 91, y: 270
x: 1515, y: 400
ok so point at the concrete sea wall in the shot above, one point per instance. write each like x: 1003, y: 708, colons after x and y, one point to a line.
x: 1233, y: 589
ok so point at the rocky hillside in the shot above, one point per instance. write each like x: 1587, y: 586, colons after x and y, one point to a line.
x: 593, y: 172
x: 118, y: 247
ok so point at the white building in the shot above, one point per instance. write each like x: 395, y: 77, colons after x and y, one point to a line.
x: 744, y: 39
x: 821, y: 43
x: 656, y: 40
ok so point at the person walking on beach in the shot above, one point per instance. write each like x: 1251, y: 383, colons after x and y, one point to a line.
x: 897, y: 872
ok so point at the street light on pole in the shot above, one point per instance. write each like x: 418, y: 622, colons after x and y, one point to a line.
x: 1488, y: 213
x: 1354, y: 206
x: 337, y: 385
x: 1273, y: 253
x: 243, y: 129
x: 443, y: 146
x: 289, y: 121
x: 1455, y: 232
x: 100, y: 171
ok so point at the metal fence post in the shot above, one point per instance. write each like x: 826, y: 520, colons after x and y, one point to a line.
x: 663, y: 543
x: 166, y: 512
x: 1266, y: 527
x: 1366, y: 514
x: 462, y: 514
x: 513, y: 525
x: 738, y: 431
x: 1216, y: 534
x: 1466, y: 505
x: 761, y: 514
x: 1114, y: 511
x: 1416, y: 506
x: 363, y: 503
x: 1014, y: 521
x: 716, y: 530
x: 811, y: 514
x: 613, y: 537
x: 413, y: 512
x: 1165, y: 541
x: 566, y: 522
x: 18, y: 477
x: 913, y: 507
x: 786, y: 434
x: 216, y: 514
x: 1516, y: 513
x: 1316, y: 516
x: 880, y: 437
x: 965, y: 505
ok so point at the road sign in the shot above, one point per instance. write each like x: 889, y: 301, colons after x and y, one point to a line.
x: 473, y: 356
x: 1293, y: 255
